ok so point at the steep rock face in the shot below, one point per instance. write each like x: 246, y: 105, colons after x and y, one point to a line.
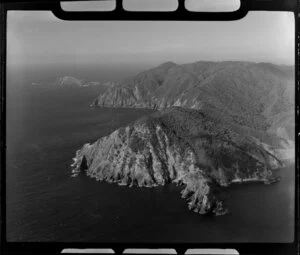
x: 136, y: 92
x: 179, y: 145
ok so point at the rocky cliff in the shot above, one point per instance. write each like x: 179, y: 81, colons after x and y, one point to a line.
x: 200, y: 150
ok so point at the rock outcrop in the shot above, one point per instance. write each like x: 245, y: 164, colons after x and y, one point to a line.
x: 69, y: 81
x: 200, y: 150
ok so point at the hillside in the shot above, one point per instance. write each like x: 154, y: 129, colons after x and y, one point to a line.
x: 255, y: 95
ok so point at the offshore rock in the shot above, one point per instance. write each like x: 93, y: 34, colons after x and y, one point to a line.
x: 72, y: 82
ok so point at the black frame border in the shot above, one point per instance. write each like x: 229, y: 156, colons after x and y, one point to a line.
x: 181, y: 14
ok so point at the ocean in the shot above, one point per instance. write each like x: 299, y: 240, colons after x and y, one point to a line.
x: 44, y: 203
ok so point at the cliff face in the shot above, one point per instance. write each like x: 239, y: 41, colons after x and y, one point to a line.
x: 183, y: 146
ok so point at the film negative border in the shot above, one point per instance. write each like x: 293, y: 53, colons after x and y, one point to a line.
x: 120, y: 14
x: 180, y: 14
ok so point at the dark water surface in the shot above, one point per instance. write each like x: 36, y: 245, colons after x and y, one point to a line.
x: 44, y: 203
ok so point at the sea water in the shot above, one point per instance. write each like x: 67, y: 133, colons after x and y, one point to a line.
x: 45, y: 127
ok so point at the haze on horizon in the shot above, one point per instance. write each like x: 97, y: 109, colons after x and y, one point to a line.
x: 38, y: 38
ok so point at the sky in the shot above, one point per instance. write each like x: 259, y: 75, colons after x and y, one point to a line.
x: 39, y: 38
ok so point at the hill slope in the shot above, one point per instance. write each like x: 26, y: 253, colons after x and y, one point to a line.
x: 250, y: 94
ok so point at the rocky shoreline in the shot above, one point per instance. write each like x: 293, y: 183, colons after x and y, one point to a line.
x: 153, y: 151
x: 216, y: 123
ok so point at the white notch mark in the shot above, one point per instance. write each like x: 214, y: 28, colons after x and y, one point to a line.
x: 87, y: 6
x: 212, y: 5
x: 88, y: 251
x: 212, y: 251
x: 149, y: 251
x: 150, y: 5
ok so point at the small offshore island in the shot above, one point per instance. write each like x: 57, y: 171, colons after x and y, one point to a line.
x: 216, y: 123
